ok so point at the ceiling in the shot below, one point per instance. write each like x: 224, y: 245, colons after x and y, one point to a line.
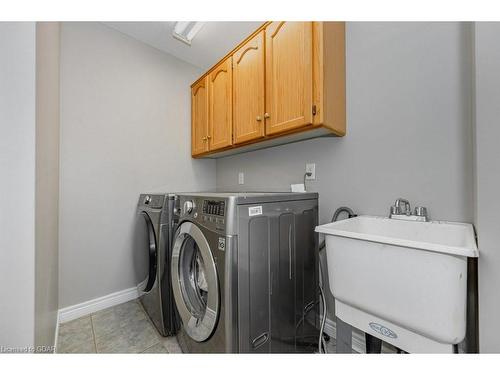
x: 212, y: 42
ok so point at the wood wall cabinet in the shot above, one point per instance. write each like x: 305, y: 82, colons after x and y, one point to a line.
x: 199, y: 117
x: 289, y: 76
x: 282, y: 84
x: 248, y: 90
x: 329, y: 76
x: 220, y: 110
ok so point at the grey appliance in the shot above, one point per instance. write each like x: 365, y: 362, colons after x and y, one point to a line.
x: 156, y: 221
x: 245, y: 272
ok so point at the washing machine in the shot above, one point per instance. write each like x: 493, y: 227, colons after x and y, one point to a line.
x: 156, y: 221
x: 245, y: 272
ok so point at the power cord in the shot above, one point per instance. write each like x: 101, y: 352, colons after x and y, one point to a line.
x: 321, y: 339
x: 307, y: 174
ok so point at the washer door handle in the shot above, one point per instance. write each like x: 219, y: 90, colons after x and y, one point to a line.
x: 260, y: 340
x: 152, y: 253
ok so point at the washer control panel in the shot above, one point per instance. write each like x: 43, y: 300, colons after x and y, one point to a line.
x: 213, y: 212
x: 212, y: 207
x: 210, y: 212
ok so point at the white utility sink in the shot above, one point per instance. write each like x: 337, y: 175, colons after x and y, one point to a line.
x: 404, y: 282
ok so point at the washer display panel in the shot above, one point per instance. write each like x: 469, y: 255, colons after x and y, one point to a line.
x: 195, y: 282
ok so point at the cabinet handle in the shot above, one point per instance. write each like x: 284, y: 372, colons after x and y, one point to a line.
x: 266, y: 115
x: 259, y: 118
x: 208, y: 137
x: 204, y: 139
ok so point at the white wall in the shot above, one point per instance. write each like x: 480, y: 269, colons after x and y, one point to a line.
x: 408, y: 128
x: 125, y: 129
x: 488, y: 181
x: 47, y: 183
x: 409, y: 131
x: 17, y: 183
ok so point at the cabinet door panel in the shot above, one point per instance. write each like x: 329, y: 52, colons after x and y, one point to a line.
x: 248, y: 90
x: 288, y: 76
x: 199, y: 117
x: 220, y: 124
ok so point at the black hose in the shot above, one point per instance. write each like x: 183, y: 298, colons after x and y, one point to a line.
x: 335, y: 217
x: 336, y: 214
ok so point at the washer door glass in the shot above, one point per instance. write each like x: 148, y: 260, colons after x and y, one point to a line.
x: 195, y: 282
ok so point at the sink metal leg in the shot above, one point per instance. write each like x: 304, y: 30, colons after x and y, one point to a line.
x: 472, y: 332
x: 344, y: 337
x: 373, y: 344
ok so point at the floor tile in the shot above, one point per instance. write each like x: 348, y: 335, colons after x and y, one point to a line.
x: 171, y: 344
x: 156, y: 349
x: 124, y: 328
x: 133, y: 337
x: 117, y: 318
x: 76, y: 336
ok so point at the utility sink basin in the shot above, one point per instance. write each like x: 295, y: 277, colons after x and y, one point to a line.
x: 404, y: 282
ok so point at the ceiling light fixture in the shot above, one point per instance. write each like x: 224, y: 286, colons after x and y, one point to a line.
x: 186, y: 31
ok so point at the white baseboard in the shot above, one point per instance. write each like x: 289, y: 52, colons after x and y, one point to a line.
x: 76, y: 311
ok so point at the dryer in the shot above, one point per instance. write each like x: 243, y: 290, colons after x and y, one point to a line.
x: 245, y: 272
x: 156, y: 221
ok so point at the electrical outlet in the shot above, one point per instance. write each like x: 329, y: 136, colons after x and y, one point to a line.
x: 311, y: 170
x: 241, y: 178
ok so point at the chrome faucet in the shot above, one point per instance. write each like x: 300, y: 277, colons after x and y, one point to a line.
x: 407, y: 207
x: 402, y: 211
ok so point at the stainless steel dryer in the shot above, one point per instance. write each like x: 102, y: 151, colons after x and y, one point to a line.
x: 245, y: 272
x: 156, y: 222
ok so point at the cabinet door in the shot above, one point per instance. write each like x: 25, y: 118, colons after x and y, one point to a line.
x: 220, y: 101
x: 199, y: 117
x: 288, y: 76
x: 248, y: 90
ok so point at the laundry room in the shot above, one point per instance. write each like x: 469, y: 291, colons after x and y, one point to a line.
x: 321, y: 185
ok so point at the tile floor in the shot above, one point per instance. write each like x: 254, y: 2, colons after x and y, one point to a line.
x: 124, y: 328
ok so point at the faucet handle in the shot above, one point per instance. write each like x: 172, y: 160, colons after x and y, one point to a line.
x: 421, y: 211
x: 395, y: 210
x: 407, y: 208
x: 401, y: 201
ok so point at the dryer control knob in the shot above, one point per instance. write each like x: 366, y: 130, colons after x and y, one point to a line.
x: 188, y: 206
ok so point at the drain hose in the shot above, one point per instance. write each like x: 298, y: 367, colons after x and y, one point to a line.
x: 321, y: 341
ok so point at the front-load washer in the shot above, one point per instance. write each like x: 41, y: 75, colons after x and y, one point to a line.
x: 156, y: 221
x: 245, y: 272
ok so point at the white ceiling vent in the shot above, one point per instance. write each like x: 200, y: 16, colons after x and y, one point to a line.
x: 186, y: 31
